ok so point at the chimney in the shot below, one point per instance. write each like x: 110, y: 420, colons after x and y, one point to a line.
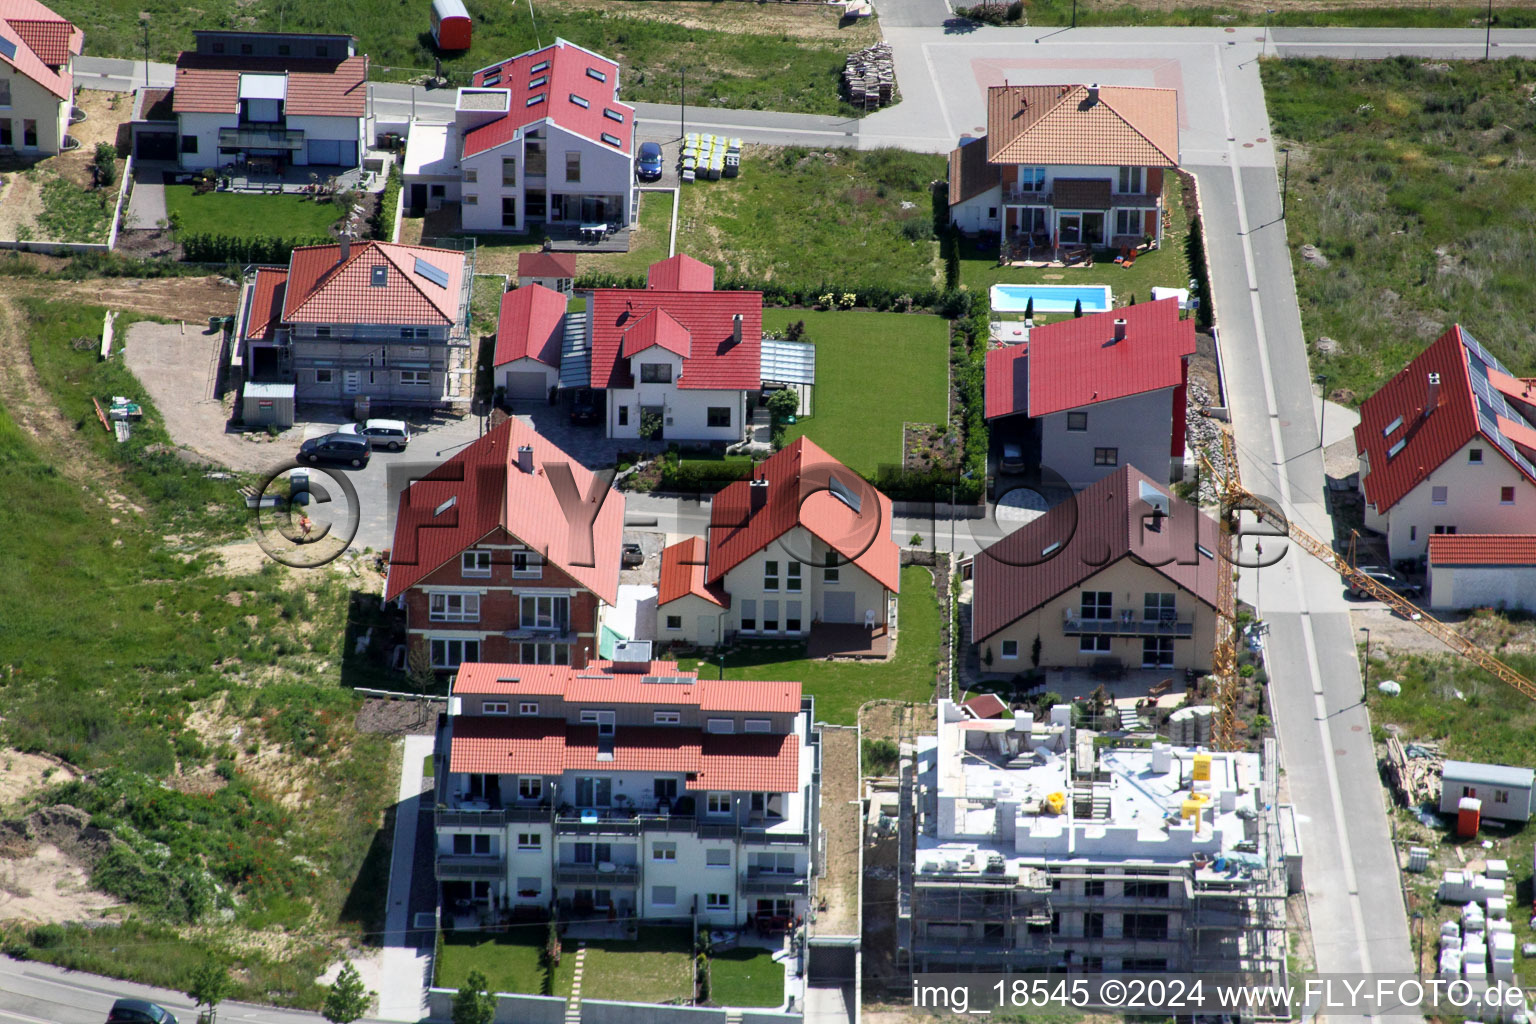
x: 736, y: 329
x: 758, y: 495
x: 525, y: 458
x: 346, y: 247
x: 1432, y: 394
x: 1093, y: 94
x: 1120, y: 328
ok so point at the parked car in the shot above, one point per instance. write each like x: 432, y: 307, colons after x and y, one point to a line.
x: 1012, y: 460
x: 1387, y: 578
x: 351, y: 449
x: 648, y: 162
x: 391, y: 434
x: 139, y: 1011
x: 631, y: 556
x: 584, y: 413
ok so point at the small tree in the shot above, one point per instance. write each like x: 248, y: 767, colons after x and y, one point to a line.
x: 419, y: 666
x: 106, y: 164
x: 781, y: 406
x: 473, y: 1004
x: 210, y: 986
x: 347, y: 999
x: 917, y: 539
x: 1133, y: 299
x: 650, y: 425
x: 1029, y: 308
x: 1034, y: 652
x: 1077, y: 308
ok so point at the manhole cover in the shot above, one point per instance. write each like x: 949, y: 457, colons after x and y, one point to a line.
x: 1261, y: 139
x: 1339, y: 752
x: 1357, y: 728
x: 1247, y: 145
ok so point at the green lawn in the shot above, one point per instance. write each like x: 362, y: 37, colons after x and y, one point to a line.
x: 246, y: 215
x: 874, y: 371
x: 746, y: 976
x: 1409, y: 181
x: 647, y: 244
x: 1490, y: 722
x: 807, y: 218
x: 657, y: 967
x: 511, y: 961
x: 841, y: 687
x: 1165, y: 267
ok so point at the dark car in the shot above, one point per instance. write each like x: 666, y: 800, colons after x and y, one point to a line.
x: 584, y: 414
x: 1387, y: 578
x: 632, y: 556
x: 648, y: 163
x: 349, y: 449
x: 139, y: 1011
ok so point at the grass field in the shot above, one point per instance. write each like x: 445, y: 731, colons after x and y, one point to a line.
x: 1164, y: 267
x: 874, y: 371
x: 247, y: 215
x: 807, y: 217
x: 1412, y: 183
x: 737, y: 55
x: 497, y: 254
x: 840, y: 687
x: 657, y: 967
x: 511, y: 961
x: 1489, y: 722
x: 129, y: 658
x: 745, y: 976
x: 1365, y: 13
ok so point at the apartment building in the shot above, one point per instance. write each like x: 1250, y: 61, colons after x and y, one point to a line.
x: 1025, y: 846
x: 626, y: 789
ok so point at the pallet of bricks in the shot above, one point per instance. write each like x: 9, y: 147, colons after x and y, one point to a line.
x: 869, y: 76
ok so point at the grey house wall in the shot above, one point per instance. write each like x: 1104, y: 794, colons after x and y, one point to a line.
x: 1138, y: 426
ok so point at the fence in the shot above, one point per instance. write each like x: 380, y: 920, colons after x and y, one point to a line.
x: 524, y: 1009
x: 122, y: 200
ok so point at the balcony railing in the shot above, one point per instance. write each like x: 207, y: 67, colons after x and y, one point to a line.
x: 464, y: 817
x: 588, y: 875
x: 754, y: 881
x: 260, y: 138
x: 1021, y: 197
x: 1127, y: 623
x: 456, y: 868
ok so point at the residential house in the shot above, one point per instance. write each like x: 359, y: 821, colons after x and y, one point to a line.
x: 267, y: 101
x: 1086, y: 396
x: 1482, y: 570
x: 1123, y: 574
x: 36, y: 79
x: 366, y: 320
x: 1504, y: 790
x: 553, y: 270
x: 540, y: 139
x: 1068, y: 165
x: 1448, y: 446
x: 529, y: 333
x: 627, y: 789
x: 508, y: 551
x: 1037, y: 849
x: 677, y: 359
x: 802, y: 549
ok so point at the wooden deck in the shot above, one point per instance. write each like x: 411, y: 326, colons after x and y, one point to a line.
x: 847, y: 640
x: 567, y: 238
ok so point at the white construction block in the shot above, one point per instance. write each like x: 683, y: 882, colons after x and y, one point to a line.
x: 1497, y: 869
x: 1498, y: 906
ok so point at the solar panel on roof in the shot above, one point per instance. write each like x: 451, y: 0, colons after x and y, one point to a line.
x: 436, y: 275
x: 667, y: 680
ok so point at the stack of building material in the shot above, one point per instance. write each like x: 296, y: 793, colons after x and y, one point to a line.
x: 1498, y: 869
x: 1498, y: 906
x: 1472, y: 919
x: 869, y: 77
x: 1454, y: 887
x: 1503, y: 949
x: 1474, y: 957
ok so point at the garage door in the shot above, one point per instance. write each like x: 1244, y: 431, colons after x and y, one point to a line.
x: 155, y: 146
x: 325, y: 151
x: 837, y: 608
x: 526, y: 385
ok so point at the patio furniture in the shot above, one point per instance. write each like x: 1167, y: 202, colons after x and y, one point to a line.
x: 1074, y: 254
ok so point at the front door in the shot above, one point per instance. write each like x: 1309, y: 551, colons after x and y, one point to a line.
x: 708, y: 631
x: 837, y: 607
x: 509, y: 211
x: 351, y: 381
x: 418, y: 197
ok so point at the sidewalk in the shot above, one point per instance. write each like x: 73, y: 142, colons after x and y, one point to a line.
x: 402, y: 994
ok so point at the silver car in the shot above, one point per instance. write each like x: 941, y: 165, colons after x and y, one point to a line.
x: 393, y: 435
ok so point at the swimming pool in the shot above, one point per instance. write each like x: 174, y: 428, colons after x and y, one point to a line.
x: 1050, y: 298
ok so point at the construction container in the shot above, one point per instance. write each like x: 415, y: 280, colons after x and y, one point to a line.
x: 267, y: 405
x: 1469, y: 816
x: 452, y: 26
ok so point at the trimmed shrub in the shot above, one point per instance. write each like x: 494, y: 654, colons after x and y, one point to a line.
x: 201, y: 247
x: 383, y: 221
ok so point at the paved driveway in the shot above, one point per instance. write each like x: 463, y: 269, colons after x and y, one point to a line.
x: 912, y: 13
x: 146, y: 203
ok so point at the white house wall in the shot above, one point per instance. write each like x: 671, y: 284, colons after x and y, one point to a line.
x: 1140, y: 427
x: 30, y: 100
x: 206, y: 128
x: 686, y: 408
x: 1471, y: 505
x: 1454, y: 587
x: 745, y: 583
x: 344, y: 129
x: 526, y: 365
x: 702, y: 621
x: 604, y: 171
x: 979, y: 213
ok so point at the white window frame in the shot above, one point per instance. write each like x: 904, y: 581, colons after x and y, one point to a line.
x: 471, y: 175
x: 717, y: 901
x: 718, y: 803
x: 606, y: 721
x: 528, y: 707
x: 717, y: 851
x: 656, y: 895
x: 664, y: 851
x: 720, y: 726
x: 329, y: 376
x: 443, y: 606
x: 495, y: 707
x: 1093, y: 643
x: 674, y: 623
x: 532, y: 652
x: 1474, y: 456
x: 543, y: 621
x: 470, y: 199
x: 475, y: 563
x: 527, y: 564
x: 771, y: 576
x: 530, y: 787
x: 530, y: 841
x: 1010, y: 649
x: 415, y: 378
x: 1509, y: 491
x: 792, y: 578
x: 1079, y: 418
x: 1439, y: 495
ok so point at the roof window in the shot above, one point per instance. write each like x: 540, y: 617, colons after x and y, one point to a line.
x: 612, y: 140
x: 379, y: 277
x: 580, y: 101
x: 1392, y: 426
x: 1399, y: 446
x: 494, y: 78
x: 536, y: 99
x: 613, y: 115
x: 539, y: 82
x: 594, y: 73
x: 542, y: 65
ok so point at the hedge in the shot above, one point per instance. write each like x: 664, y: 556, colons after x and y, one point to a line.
x: 383, y: 226
x: 201, y: 247
x: 871, y: 294
x: 702, y: 477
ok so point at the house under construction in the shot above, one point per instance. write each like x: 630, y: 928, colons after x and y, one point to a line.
x: 1027, y: 847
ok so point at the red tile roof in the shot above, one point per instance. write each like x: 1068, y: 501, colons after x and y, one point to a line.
x: 656, y: 328
x: 1102, y: 525
x: 549, y: 746
x: 988, y: 705
x: 600, y: 683
x: 324, y: 290
x: 570, y: 72
x: 1060, y: 124
x: 712, y: 361
x: 208, y: 84
x: 969, y: 173
x: 547, y: 510
x: 546, y: 264
x: 1077, y: 362
x: 1428, y: 440
x: 800, y: 478
x: 43, y: 44
x: 531, y: 325
x: 1007, y: 381
x: 1482, y: 549
x: 683, y: 568
x: 680, y: 273
x: 265, y: 312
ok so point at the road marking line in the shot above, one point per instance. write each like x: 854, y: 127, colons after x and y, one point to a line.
x: 8, y: 1015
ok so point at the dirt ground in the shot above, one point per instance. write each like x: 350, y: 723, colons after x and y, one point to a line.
x: 48, y: 887
x: 21, y: 199
x: 799, y: 21
x: 840, y: 820
x: 23, y: 774
x: 895, y: 721
x: 398, y: 717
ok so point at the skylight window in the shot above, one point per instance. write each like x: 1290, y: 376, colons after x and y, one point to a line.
x: 540, y: 81
x: 380, y: 277
x: 612, y: 140
x: 843, y: 493
x: 1399, y: 446
x: 1050, y: 549
x: 1205, y: 552
x: 542, y: 65
x: 492, y: 79
x: 613, y: 115
x: 1392, y: 426
x: 445, y: 506
x: 534, y: 101
x: 580, y: 101
x: 594, y: 73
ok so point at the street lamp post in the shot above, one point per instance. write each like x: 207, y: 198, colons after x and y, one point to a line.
x: 722, y: 664
x: 1074, y: 12
x: 1322, y: 416
x: 1488, y: 35
x: 1366, y: 674
x: 1268, y: 12
x: 1285, y: 182
x: 682, y: 112
x: 144, y: 24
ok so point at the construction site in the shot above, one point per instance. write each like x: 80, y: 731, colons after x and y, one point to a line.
x: 1028, y: 845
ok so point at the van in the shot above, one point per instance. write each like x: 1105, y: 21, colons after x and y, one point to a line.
x: 350, y: 449
x: 393, y: 435
x: 139, y: 1011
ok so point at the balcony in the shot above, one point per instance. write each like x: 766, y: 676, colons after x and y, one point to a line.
x: 1144, y: 200
x: 455, y: 868
x: 491, y: 817
x: 1126, y: 623
x: 772, y: 883
x: 594, y: 877
x: 250, y: 137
